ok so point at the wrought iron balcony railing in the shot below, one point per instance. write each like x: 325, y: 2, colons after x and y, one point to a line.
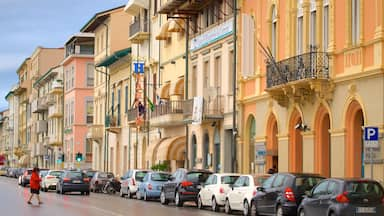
x: 169, y: 107
x: 138, y: 26
x: 312, y: 65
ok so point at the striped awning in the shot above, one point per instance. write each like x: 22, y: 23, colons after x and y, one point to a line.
x: 164, y: 34
x: 167, y: 146
x: 150, y: 154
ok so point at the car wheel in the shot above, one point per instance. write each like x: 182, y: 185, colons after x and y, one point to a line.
x: 279, y: 211
x: 163, y: 199
x: 215, y: 207
x: 178, y: 200
x: 246, y: 211
x: 87, y: 193
x: 301, y: 212
x: 200, y: 203
x: 227, y: 207
x: 253, y: 209
x: 145, y: 196
x: 138, y: 195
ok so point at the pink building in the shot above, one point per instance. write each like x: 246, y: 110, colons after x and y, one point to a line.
x: 78, y: 98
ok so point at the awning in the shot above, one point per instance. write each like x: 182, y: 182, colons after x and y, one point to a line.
x: 166, y: 150
x: 176, y: 25
x: 152, y: 149
x: 164, y: 34
x: 164, y: 91
x: 24, y: 160
x: 177, y: 88
x: 133, y: 6
x: 109, y: 60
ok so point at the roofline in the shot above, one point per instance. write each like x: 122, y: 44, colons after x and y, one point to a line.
x: 24, y: 62
x: 45, y: 75
x: 93, y: 19
x: 80, y: 34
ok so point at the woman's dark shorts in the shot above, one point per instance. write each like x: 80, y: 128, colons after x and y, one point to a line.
x: 35, y: 191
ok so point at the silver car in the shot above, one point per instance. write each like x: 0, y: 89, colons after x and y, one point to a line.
x: 49, y: 181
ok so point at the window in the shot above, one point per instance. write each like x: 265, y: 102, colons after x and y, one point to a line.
x: 194, y: 80
x: 209, y: 180
x: 325, y: 27
x: 274, y: 32
x: 279, y: 181
x: 214, y: 181
x: 313, y: 24
x: 155, y: 7
x: 240, y: 181
x: 230, y: 70
x: 126, y: 99
x: 118, y: 106
x: 268, y: 183
x: 89, y: 110
x: 72, y: 84
x: 217, y: 77
x: 299, y: 28
x: 320, y: 190
x: 90, y: 75
x: 355, y: 19
x: 206, y: 75
x: 72, y: 110
x: 332, y: 188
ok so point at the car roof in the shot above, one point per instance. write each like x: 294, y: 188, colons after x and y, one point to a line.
x: 199, y: 170
x: 300, y: 174
x: 227, y: 174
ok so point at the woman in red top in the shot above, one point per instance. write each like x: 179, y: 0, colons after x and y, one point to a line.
x: 35, y: 185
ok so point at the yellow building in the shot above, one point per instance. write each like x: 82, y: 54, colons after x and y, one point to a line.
x: 317, y: 83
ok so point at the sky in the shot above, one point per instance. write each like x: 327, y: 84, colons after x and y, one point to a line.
x: 27, y: 24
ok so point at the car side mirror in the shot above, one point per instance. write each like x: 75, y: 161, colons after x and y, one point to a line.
x: 261, y: 189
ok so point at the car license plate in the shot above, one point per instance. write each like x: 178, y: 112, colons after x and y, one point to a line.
x: 365, y: 210
x: 76, y: 181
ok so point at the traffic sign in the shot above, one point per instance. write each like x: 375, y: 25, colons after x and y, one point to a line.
x: 371, y: 137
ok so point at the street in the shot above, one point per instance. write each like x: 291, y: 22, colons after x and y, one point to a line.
x: 13, y: 201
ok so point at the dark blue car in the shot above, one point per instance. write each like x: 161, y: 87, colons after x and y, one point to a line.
x: 338, y: 197
x: 151, y: 186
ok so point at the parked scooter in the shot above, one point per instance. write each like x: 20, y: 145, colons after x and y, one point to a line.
x: 112, y: 186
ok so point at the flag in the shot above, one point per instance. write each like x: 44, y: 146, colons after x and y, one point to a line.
x: 151, y: 106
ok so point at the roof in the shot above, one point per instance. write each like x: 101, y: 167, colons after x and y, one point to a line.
x: 97, y: 19
x: 80, y: 35
x: 109, y: 60
x: 47, y: 74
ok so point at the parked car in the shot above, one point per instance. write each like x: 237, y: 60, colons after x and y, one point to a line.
x: 151, y: 186
x: 11, y: 172
x: 183, y: 186
x: 130, y: 182
x: 49, y: 181
x: 19, y: 172
x: 336, y: 197
x: 73, y: 181
x: 282, y: 193
x: 24, y: 179
x: 99, y: 179
x: 242, y: 192
x: 90, y: 173
x: 215, y: 189
x: 3, y: 171
x: 43, y: 173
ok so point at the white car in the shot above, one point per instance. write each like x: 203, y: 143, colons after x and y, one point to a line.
x: 49, y: 181
x: 215, y: 189
x: 130, y: 182
x: 242, y: 192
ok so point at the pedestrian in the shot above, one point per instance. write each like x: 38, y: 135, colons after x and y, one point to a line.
x: 35, y: 185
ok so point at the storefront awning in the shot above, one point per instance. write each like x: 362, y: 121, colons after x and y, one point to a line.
x: 150, y: 154
x: 176, y: 25
x: 109, y: 60
x: 24, y: 160
x: 166, y: 150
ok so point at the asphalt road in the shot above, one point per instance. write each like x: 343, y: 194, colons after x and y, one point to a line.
x: 13, y: 202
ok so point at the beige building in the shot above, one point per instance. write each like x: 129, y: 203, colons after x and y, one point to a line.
x: 41, y: 61
x: 48, y: 107
x: 5, y: 136
x: 110, y: 37
x: 12, y: 123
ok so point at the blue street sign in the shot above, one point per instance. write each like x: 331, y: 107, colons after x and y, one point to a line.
x: 138, y: 67
x: 371, y: 134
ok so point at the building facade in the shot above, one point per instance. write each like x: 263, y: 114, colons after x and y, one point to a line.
x: 312, y: 87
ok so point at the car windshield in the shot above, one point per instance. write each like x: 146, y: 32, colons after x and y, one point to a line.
x: 160, y: 176
x: 105, y: 175
x: 229, y: 179
x: 43, y: 173
x: 73, y: 175
x: 306, y: 183
x: 90, y: 174
x: 199, y: 177
x: 259, y: 180
x: 55, y: 173
x: 358, y: 189
x: 139, y: 176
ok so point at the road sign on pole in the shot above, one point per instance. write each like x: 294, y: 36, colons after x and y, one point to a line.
x: 371, y: 141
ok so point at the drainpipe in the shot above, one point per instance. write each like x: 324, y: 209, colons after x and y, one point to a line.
x: 106, y: 134
x: 234, y: 129
x: 186, y: 80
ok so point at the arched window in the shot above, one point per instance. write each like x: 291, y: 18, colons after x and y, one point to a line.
x: 299, y: 33
x: 274, y: 31
x: 355, y: 21
x: 325, y: 25
x: 312, y: 34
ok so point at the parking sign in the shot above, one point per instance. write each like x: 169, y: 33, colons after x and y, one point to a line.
x: 371, y: 137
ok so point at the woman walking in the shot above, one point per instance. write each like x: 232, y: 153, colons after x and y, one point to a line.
x: 35, y: 185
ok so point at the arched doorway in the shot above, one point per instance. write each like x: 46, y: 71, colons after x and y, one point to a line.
x: 272, y: 159
x: 206, y: 156
x: 251, y: 143
x: 193, y: 151
x: 322, y: 142
x: 295, y: 146
x: 216, y: 151
x: 354, y: 165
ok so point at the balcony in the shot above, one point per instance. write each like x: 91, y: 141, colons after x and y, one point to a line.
x: 51, y: 99
x: 187, y: 7
x: 55, y: 111
x: 213, y: 109
x: 55, y: 140
x: 132, y: 116
x: 57, y: 87
x: 112, y: 124
x: 133, y: 6
x: 95, y: 132
x: 79, y: 49
x: 39, y: 105
x: 299, y: 78
x: 168, y: 114
x: 138, y: 31
x: 41, y: 126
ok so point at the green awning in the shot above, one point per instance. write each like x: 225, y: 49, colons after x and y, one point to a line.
x: 109, y: 60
